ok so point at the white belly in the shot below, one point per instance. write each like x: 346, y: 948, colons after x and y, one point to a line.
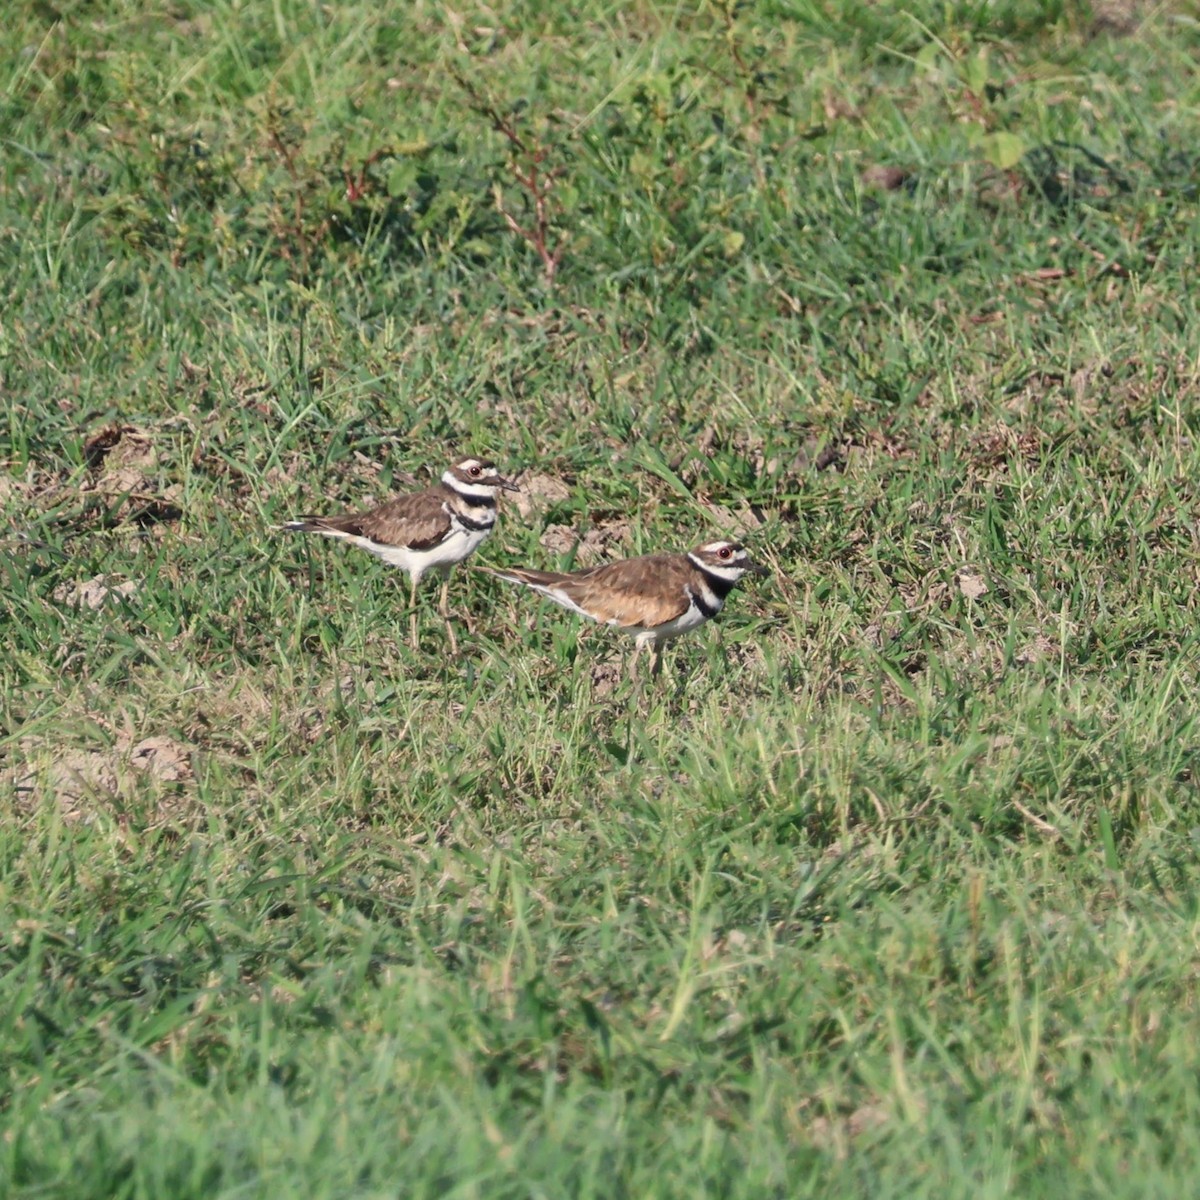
x: 672, y: 629
x: 688, y: 619
x: 460, y: 544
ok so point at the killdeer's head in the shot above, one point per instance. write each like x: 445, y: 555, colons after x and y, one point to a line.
x: 726, y: 560
x: 478, y: 479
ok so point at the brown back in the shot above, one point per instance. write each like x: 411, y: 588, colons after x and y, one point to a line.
x: 646, y: 591
x: 419, y: 521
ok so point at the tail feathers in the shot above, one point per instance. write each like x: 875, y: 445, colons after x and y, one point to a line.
x: 522, y: 575
x: 334, y: 526
x: 551, y: 584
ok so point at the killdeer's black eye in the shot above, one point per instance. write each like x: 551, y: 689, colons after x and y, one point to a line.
x: 724, y: 552
x: 476, y: 470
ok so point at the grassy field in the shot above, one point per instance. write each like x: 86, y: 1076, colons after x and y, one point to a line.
x: 889, y: 889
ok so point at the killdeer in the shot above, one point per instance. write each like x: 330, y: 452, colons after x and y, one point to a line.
x: 653, y: 598
x: 428, y: 530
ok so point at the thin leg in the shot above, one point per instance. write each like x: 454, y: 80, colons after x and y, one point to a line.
x: 636, y: 696
x: 444, y: 609
x: 412, y: 613
x: 656, y: 665
x: 465, y: 615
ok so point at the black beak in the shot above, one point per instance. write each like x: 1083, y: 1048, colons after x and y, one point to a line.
x: 508, y: 485
x: 758, y: 569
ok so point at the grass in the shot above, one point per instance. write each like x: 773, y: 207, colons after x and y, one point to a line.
x: 889, y: 890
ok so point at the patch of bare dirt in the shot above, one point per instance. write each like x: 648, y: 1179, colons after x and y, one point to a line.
x: 598, y: 544
x: 735, y: 519
x: 71, y: 777
x: 94, y: 593
x: 885, y: 177
x: 836, y: 1133
x: 815, y: 454
x: 1118, y: 18
x: 1036, y: 650
x: 123, y: 464
x: 12, y: 488
x: 972, y: 584
x: 606, y: 678
x: 81, y: 780
x: 538, y: 492
x: 999, y: 446
x: 162, y: 757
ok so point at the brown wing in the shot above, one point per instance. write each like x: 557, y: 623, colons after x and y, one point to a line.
x: 419, y: 521
x: 646, y: 592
